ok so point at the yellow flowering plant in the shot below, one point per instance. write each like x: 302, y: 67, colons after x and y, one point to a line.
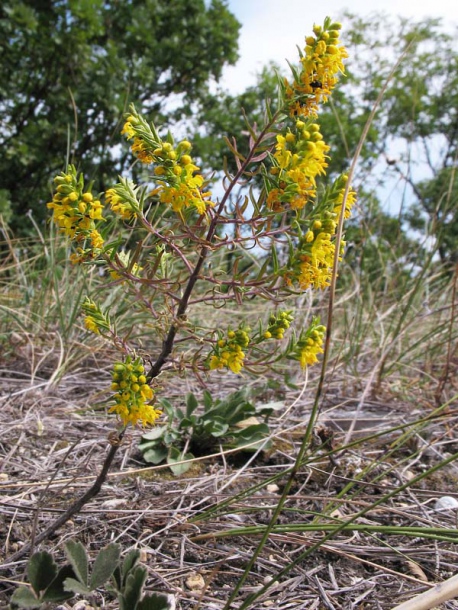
x: 171, y: 246
x: 173, y: 226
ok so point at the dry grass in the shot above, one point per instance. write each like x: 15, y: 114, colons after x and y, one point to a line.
x: 388, y: 416
x: 53, y: 441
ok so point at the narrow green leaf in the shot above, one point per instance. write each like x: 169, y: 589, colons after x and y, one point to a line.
x: 41, y: 571
x: 77, y: 556
x: 154, y: 434
x: 133, y: 589
x: 129, y: 563
x: 155, y: 455
x: 156, y: 601
x: 208, y: 399
x: 269, y: 407
x: 104, y: 565
x: 191, y: 404
x: 174, y: 456
x: 24, y: 598
x: 56, y: 591
x: 76, y: 586
x: 217, y: 426
x: 146, y: 445
x: 274, y: 259
x: 116, y: 579
x: 187, y: 422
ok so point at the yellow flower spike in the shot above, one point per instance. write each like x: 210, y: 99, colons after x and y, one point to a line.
x: 321, y: 61
x: 75, y: 213
x: 97, y: 240
x: 228, y: 353
x: 131, y: 397
x: 184, y: 146
x: 91, y: 325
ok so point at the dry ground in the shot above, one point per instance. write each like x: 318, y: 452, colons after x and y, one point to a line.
x: 163, y: 515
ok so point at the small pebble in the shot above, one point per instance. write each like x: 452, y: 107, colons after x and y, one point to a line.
x: 446, y: 503
x: 195, y: 582
x: 272, y: 488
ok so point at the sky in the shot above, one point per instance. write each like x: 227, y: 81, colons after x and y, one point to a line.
x: 271, y: 29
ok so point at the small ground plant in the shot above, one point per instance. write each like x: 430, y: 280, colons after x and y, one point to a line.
x: 232, y: 422
x: 124, y: 579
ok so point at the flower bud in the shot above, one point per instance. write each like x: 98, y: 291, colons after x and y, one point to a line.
x: 185, y: 160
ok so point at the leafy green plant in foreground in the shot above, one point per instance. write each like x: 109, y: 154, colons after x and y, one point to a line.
x: 125, y: 579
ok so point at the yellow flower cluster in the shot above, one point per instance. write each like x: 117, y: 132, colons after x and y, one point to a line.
x: 299, y: 157
x: 95, y: 321
x: 310, y: 344
x: 132, y: 393
x: 118, y: 206
x: 311, y: 263
x: 322, y: 61
x: 180, y: 184
x: 228, y: 353
x: 75, y: 211
x: 126, y: 199
x: 278, y: 324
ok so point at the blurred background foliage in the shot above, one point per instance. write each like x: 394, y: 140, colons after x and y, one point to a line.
x: 70, y: 68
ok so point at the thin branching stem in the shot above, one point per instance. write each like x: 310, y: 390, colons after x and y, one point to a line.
x: 169, y: 341
x: 75, y: 508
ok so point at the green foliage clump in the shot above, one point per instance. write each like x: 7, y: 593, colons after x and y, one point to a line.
x: 231, y: 422
x: 51, y: 584
x: 70, y: 69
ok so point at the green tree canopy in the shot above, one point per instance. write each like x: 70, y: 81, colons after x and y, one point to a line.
x: 70, y: 68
